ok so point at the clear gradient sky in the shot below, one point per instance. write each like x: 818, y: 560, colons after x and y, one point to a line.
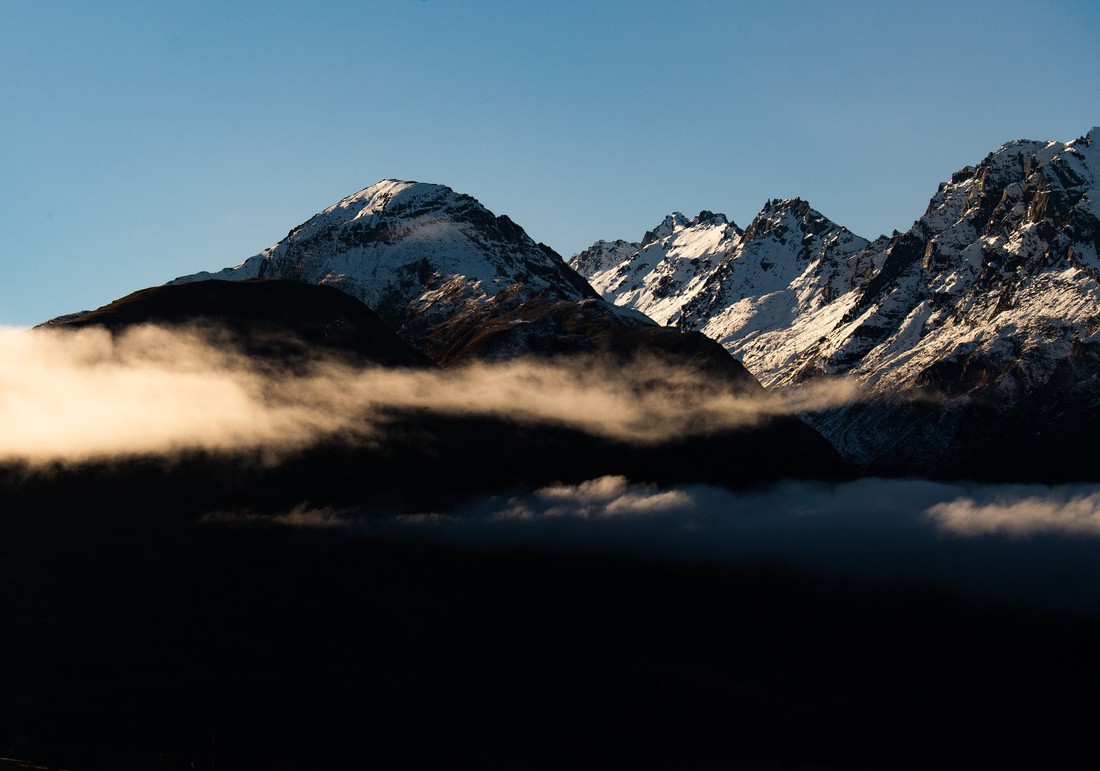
x: 144, y: 140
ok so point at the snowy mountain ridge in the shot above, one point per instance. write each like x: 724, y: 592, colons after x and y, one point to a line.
x: 413, y: 252
x: 669, y: 265
x: 990, y: 298
x: 1008, y: 245
x: 738, y: 287
x: 987, y: 308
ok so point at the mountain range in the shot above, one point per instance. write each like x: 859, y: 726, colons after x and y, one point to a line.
x: 974, y: 328
x: 463, y: 566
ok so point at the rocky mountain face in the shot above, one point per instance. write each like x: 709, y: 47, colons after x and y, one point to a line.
x: 669, y: 266
x: 415, y: 253
x: 746, y: 289
x: 423, y: 456
x: 987, y: 308
x: 462, y: 285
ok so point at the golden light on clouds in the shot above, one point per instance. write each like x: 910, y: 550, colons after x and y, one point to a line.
x: 74, y: 395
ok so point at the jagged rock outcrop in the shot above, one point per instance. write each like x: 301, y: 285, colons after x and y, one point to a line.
x: 668, y: 268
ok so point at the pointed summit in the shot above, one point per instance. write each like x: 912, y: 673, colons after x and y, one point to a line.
x: 781, y: 216
x: 412, y: 251
x: 669, y: 225
x: 657, y: 275
x: 687, y: 272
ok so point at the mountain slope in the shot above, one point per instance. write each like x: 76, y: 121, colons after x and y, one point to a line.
x: 755, y: 291
x: 414, y: 253
x: 666, y: 269
x: 285, y: 321
x: 1000, y: 273
x: 459, y: 283
x: 425, y: 452
x: 991, y: 297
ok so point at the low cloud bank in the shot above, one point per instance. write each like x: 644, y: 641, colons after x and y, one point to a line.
x: 1030, y: 544
x: 1059, y: 512
x: 74, y: 395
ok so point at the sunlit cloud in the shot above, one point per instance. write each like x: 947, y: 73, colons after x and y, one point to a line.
x: 83, y: 394
x: 878, y: 529
x: 74, y: 395
x: 606, y: 497
x: 1028, y: 516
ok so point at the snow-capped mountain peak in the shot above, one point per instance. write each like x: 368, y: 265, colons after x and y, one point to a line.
x: 684, y: 270
x: 413, y: 251
x: 672, y: 260
x: 992, y: 295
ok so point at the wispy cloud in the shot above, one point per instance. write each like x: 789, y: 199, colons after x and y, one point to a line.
x: 606, y: 497
x: 1053, y: 513
x: 74, y: 395
x: 83, y: 394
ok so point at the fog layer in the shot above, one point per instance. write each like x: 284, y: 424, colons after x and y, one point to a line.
x: 1016, y: 544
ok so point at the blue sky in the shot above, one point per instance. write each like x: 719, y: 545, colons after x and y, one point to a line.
x: 143, y: 140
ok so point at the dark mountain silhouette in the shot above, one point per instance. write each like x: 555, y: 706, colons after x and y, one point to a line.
x: 284, y: 321
x: 426, y: 457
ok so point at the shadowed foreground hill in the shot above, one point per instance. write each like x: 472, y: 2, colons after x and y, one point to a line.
x: 284, y: 321
x: 423, y: 455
